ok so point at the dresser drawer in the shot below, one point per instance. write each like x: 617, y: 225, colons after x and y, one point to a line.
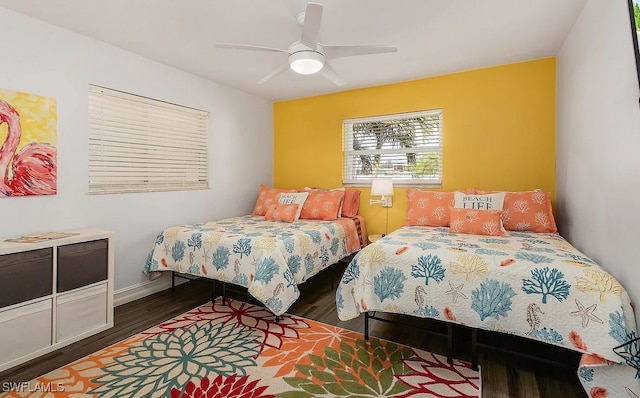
x: 82, y: 264
x: 25, y: 329
x: 25, y: 276
x: 81, y: 311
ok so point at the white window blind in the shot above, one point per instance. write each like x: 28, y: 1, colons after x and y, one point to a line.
x: 406, y: 147
x: 138, y: 144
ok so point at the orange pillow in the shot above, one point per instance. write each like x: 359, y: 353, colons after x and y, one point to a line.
x: 478, y: 222
x: 322, y: 205
x: 285, y: 212
x: 351, y: 202
x: 528, y: 211
x: 266, y: 197
x: 428, y: 208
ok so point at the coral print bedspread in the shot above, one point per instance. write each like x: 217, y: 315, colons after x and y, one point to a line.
x: 269, y: 258
x: 533, y: 285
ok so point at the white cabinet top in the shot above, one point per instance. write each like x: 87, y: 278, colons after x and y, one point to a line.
x: 79, y: 235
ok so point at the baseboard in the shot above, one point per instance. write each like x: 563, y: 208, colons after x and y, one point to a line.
x: 131, y: 293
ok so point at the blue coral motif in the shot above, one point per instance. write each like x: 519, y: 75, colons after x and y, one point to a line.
x: 334, y: 246
x: 194, y: 269
x: 243, y: 247
x: 316, y: 237
x: 428, y: 311
x: 429, y: 267
x: 546, y: 282
x: 220, y: 258
x: 496, y: 241
x: 534, y: 258
x: 177, y: 251
x: 151, y: 264
x: 389, y: 283
x: 492, y: 299
x: 426, y: 245
x: 294, y: 263
x: 351, y: 273
x: 160, y: 238
x: 266, y: 270
x: 195, y: 241
x: 586, y: 374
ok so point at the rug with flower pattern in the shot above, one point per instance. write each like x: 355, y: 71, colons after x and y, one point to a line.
x: 239, y: 350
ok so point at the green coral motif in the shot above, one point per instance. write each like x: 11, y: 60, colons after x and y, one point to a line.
x: 353, y: 371
x: 189, y: 353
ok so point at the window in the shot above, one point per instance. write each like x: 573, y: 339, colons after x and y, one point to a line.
x: 138, y: 144
x: 406, y: 147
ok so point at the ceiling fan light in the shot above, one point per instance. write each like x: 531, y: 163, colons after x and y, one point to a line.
x: 306, y: 62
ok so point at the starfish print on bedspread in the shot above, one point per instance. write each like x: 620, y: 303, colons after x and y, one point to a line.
x: 455, y: 291
x: 586, y: 313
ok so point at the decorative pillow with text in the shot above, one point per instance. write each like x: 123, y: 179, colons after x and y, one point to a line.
x: 266, y: 197
x: 493, y: 201
x: 297, y: 198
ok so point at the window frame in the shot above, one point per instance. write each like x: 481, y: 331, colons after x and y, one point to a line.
x: 349, y: 165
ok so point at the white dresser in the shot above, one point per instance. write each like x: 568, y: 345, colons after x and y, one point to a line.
x: 54, y: 293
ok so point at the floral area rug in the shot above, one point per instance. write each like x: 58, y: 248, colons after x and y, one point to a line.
x: 239, y: 350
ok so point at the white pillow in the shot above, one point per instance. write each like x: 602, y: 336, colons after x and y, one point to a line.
x: 492, y: 201
x: 297, y: 198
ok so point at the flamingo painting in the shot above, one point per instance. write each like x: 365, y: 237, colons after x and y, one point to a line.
x: 31, y: 170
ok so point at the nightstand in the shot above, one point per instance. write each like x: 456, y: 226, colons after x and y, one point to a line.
x: 374, y: 237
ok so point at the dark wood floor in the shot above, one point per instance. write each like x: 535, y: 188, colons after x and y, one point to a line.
x: 503, y: 374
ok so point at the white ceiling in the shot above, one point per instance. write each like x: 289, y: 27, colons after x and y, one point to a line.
x: 434, y: 37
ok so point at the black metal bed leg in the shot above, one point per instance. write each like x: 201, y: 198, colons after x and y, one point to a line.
x: 173, y: 281
x: 224, y: 294
x: 213, y: 291
x: 474, y: 349
x: 366, y: 325
x: 449, y: 343
x: 277, y: 318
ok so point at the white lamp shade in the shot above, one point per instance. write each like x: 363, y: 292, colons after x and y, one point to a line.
x: 382, y: 187
x: 306, y: 62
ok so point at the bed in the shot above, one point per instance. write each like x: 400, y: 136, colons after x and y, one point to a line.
x: 531, y: 284
x: 264, y: 254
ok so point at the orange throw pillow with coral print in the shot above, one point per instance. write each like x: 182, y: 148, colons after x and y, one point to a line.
x: 428, y: 208
x: 285, y: 212
x: 478, y: 222
x: 267, y: 197
x: 528, y: 211
x: 322, y: 205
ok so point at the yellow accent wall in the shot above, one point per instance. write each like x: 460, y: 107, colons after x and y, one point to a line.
x: 499, y: 129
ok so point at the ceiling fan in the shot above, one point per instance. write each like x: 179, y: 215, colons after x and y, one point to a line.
x: 307, y: 56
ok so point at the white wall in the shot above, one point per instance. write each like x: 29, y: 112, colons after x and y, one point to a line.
x: 598, y: 142
x: 42, y: 59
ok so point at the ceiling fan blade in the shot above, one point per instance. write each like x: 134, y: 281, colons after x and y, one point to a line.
x: 311, y: 25
x: 250, y: 47
x: 333, y: 52
x: 328, y: 72
x: 274, y: 73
